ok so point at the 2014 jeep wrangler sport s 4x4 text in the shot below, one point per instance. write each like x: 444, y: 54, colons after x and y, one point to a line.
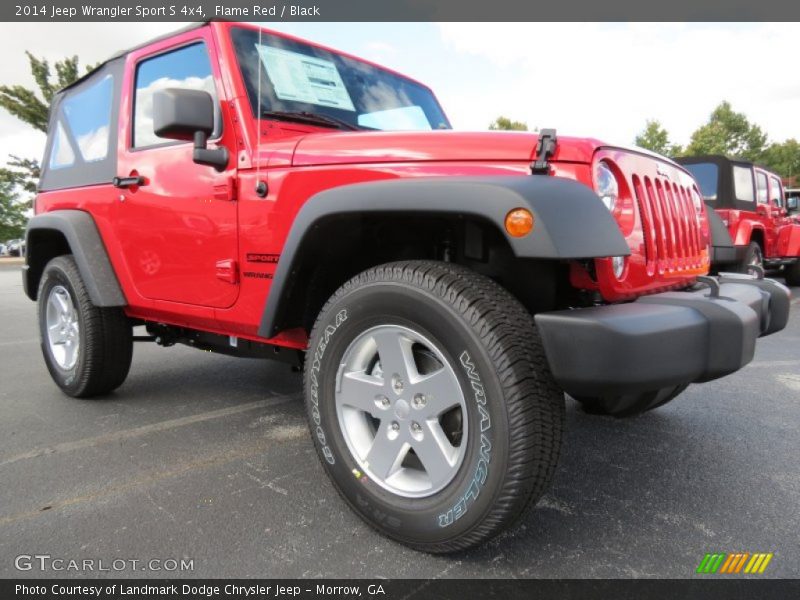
x: 250, y: 193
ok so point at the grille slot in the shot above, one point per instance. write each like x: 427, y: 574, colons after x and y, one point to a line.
x: 670, y: 224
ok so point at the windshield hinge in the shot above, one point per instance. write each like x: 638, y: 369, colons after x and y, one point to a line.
x: 545, y: 148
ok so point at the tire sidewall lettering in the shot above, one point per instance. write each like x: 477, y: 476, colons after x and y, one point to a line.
x: 313, y: 378
x: 481, y: 468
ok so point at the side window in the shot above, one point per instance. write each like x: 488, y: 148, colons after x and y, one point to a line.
x: 761, y: 187
x: 83, y: 126
x: 743, y: 184
x: 775, y: 191
x: 188, y: 67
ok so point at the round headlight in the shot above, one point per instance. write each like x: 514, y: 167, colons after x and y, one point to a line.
x: 605, y: 184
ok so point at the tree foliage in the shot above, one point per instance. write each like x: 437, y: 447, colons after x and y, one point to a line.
x: 32, y: 106
x: 730, y: 133
x: 13, y: 211
x: 654, y: 137
x: 502, y: 123
x: 784, y: 158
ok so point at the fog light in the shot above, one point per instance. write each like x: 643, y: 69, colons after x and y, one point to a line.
x: 519, y: 222
x: 618, y: 266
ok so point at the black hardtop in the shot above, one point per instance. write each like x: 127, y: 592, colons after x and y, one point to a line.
x: 726, y: 196
x: 80, y: 171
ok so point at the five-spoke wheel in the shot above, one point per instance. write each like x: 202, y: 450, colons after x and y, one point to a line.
x: 401, y: 410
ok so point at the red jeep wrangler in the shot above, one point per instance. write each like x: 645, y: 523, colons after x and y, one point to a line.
x: 753, y: 207
x: 249, y: 193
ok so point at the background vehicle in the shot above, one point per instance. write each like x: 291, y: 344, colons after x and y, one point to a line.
x: 750, y: 200
x: 793, y: 203
x: 16, y: 248
x: 253, y: 194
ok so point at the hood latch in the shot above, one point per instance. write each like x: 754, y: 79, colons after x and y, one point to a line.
x: 545, y: 148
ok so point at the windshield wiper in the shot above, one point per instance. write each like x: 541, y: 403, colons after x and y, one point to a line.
x: 311, y: 118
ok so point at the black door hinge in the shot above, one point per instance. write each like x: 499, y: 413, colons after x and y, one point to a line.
x: 545, y: 148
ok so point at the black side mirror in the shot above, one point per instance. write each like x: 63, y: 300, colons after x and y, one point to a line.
x: 791, y: 204
x: 181, y: 114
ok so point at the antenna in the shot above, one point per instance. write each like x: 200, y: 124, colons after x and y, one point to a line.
x: 260, y: 189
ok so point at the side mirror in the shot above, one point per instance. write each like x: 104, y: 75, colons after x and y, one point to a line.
x: 791, y: 204
x: 181, y: 114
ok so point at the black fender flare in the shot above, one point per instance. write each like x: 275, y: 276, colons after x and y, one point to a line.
x: 570, y: 221
x: 723, y: 250
x: 85, y: 245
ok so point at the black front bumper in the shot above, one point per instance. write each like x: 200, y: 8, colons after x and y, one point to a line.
x: 662, y: 340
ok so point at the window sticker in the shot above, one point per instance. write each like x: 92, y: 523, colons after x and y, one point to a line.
x: 405, y: 118
x: 301, y: 78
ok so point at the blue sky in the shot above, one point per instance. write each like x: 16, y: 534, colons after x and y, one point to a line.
x: 598, y: 80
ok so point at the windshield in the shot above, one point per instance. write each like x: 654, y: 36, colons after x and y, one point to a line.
x: 301, y: 78
x: 707, y: 175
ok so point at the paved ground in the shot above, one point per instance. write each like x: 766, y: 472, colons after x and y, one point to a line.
x: 208, y: 458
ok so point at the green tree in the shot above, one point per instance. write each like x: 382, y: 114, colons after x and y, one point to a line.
x: 13, y: 211
x: 506, y: 124
x: 33, y: 105
x: 730, y: 133
x: 654, y: 137
x: 25, y: 103
x: 783, y: 158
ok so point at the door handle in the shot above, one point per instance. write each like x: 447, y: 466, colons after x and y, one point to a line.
x: 126, y: 182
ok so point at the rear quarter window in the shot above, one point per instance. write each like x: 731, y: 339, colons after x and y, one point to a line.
x: 83, y: 125
x: 82, y: 136
x: 743, y: 184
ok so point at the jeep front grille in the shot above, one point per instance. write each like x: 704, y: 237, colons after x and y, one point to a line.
x: 670, y: 224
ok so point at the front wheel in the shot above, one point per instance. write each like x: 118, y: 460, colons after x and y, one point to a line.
x: 431, y: 404
x: 87, y: 349
x: 753, y: 257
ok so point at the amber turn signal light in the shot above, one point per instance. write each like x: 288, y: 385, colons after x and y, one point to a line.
x: 519, y: 222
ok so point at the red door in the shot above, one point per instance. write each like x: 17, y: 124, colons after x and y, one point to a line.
x: 178, y: 230
x: 765, y: 213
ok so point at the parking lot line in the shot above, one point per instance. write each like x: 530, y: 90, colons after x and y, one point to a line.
x: 135, y: 432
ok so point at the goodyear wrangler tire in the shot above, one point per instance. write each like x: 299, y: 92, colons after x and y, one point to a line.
x: 87, y: 349
x: 431, y: 404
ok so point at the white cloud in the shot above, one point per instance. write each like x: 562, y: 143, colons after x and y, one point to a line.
x: 91, y: 42
x: 589, y: 79
x: 94, y: 144
x: 605, y: 80
x: 143, y: 133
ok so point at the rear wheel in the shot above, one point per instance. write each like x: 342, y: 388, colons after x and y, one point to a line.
x: 87, y: 349
x: 630, y: 405
x: 792, y: 273
x: 431, y: 403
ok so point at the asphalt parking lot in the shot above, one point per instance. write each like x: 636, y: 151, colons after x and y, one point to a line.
x: 208, y: 458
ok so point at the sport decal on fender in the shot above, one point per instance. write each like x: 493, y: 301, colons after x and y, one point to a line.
x: 460, y: 508
x: 319, y: 352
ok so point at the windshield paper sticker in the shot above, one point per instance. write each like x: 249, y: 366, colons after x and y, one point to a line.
x: 300, y: 78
